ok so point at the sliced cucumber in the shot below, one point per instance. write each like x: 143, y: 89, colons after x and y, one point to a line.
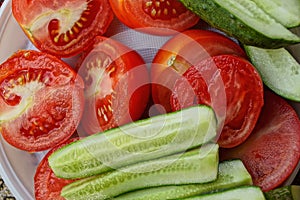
x: 190, y: 167
x: 285, y: 12
x: 291, y: 192
x: 230, y: 174
x: 278, y: 69
x: 143, y: 140
x: 239, y: 193
x: 244, y: 20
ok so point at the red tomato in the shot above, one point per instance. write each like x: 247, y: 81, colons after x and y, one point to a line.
x: 62, y: 28
x: 156, y: 17
x: 117, y: 85
x: 179, y: 53
x: 46, y: 184
x: 272, y: 151
x: 41, y: 100
x: 229, y: 84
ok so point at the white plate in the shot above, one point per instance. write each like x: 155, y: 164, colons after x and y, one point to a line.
x: 17, y: 167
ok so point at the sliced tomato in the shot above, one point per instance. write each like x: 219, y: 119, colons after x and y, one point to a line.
x: 272, y: 151
x: 65, y: 27
x: 229, y: 84
x: 41, y: 100
x: 116, y: 85
x: 46, y: 184
x: 155, y: 17
x: 179, y: 53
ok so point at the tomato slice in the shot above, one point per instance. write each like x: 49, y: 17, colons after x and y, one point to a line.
x: 62, y: 28
x: 46, y: 184
x: 272, y: 151
x: 41, y: 100
x: 155, y: 17
x: 179, y: 53
x: 229, y: 84
x: 117, y: 85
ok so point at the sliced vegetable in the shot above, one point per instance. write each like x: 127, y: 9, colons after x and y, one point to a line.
x: 278, y: 69
x: 230, y: 174
x: 291, y: 192
x: 244, y: 20
x: 135, y: 142
x: 272, y: 151
x: 239, y: 96
x: 190, y: 167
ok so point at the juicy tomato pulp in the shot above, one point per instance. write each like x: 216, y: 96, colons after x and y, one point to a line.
x: 46, y: 184
x: 229, y: 84
x: 62, y: 28
x: 179, y: 53
x: 116, y: 85
x: 154, y: 16
x: 41, y: 100
x: 272, y: 151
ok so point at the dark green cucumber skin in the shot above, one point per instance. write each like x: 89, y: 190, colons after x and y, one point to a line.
x: 283, y: 193
x: 186, y: 168
x: 222, y: 19
x: 232, y: 173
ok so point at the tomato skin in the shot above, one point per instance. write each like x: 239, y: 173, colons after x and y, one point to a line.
x: 235, y: 103
x: 62, y: 28
x: 46, y: 184
x: 41, y: 100
x: 144, y: 15
x: 117, y: 85
x: 182, y: 51
x: 272, y: 152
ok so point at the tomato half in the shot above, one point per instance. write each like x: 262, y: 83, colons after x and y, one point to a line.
x: 65, y: 27
x: 224, y: 81
x: 156, y: 17
x: 116, y: 85
x: 46, y: 184
x: 179, y: 53
x: 41, y: 100
x: 272, y: 151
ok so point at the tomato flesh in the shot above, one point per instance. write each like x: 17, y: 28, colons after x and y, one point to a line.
x: 229, y: 84
x: 117, y: 85
x: 272, y: 151
x: 62, y: 28
x: 41, y: 100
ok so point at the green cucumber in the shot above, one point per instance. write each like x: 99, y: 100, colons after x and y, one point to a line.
x: 285, y: 12
x: 244, y: 20
x: 239, y: 193
x: 190, y: 167
x: 291, y: 192
x: 230, y: 174
x: 279, y: 70
x: 146, y: 139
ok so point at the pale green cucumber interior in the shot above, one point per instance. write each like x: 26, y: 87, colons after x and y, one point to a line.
x: 279, y: 70
x: 249, y: 13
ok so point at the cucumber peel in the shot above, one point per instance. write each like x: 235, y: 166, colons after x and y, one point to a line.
x: 291, y: 192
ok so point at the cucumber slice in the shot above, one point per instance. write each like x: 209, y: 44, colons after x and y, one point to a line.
x: 279, y: 70
x: 285, y: 12
x: 291, y: 192
x: 135, y: 142
x: 244, y: 20
x: 240, y: 193
x: 190, y: 167
x: 230, y: 174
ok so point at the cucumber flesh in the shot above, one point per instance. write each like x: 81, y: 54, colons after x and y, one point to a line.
x: 190, y: 167
x: 279, y: 70
x: 244, y: 20
x: 285, y: 12
x: 239, y: 193
x: 291, y: 192
x: 143, y: 140
x: 230, y: 174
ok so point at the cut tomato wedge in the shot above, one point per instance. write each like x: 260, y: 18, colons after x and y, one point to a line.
x: 229, y: 84
x: 272, y: 151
